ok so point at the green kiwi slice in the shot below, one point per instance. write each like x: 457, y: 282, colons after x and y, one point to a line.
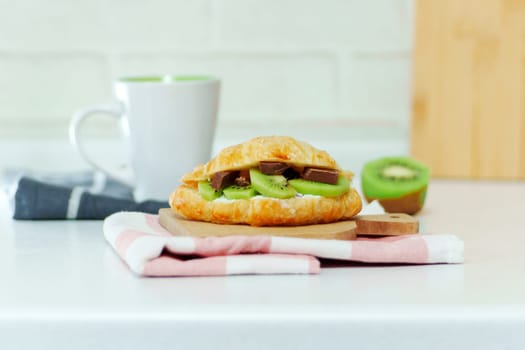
x: 398, y: 172
x: 321, y: 189
x: 207, y: 192
x: 399, y: 183
x: 239, y: 192
x: 274, y: 186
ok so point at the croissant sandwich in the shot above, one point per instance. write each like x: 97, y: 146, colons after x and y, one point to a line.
x: 268, y: 181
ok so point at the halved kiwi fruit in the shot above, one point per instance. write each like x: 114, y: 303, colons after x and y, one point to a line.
x: 275, y: 186
x: 239, y: 192
x: 398, y: 183
x: 207, y: 192
x: 321, y: 189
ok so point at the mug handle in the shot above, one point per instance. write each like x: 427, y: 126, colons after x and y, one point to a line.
x: 74, y: 136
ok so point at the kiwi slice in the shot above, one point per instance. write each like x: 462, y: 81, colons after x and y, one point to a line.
x: 398, y: 172
x: 239, y: 192
x: 398, y: 183
x: 207, y: 192
x: 321, y: 189
x: 274, y: 186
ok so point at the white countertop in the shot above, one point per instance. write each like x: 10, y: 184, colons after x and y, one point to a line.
x: 63, y: 287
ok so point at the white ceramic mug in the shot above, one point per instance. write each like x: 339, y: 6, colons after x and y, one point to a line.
x: 169, y: 125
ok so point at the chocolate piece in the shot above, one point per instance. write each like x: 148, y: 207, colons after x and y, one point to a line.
x: 222, y: 179
x: 291, y: 173
x: 272, y: 168
x: 327, y: 176
x: 243, y: 179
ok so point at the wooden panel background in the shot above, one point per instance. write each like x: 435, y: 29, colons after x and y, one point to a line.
x: 468, y: 111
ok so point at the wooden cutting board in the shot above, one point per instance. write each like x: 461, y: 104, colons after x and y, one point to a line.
x: 468, y: 108
x: 387, y: 224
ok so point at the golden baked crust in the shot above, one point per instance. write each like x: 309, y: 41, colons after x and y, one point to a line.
x: 269, y: 148
x: 263, y: 211
x: 186, y: 201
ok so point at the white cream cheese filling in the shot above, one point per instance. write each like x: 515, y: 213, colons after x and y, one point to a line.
x: 259, y: 196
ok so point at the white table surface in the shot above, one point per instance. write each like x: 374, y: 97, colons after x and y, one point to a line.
x: 63, y: 287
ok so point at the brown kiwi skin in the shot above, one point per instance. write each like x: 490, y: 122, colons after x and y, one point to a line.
x: 409, y: 203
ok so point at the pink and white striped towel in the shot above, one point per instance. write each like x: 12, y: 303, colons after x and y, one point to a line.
x: 150, y: 250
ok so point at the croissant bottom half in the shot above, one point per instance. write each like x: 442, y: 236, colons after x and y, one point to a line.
x: 264, y: 211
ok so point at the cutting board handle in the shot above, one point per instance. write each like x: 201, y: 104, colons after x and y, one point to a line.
x: 385, y: 225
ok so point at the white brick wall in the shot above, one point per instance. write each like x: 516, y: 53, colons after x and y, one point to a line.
x: 377, y: 86
x: 352, y: 24
x: 158, y: 24
x: 51, y: 25
x: 255, y: 84
x: 342, y: 63
x: 40, y: 88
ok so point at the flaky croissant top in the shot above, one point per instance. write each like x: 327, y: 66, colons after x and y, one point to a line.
x: 267, y: 148
x: 257, y: 211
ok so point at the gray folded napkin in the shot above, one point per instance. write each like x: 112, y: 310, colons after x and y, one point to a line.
x: 82, y: 195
